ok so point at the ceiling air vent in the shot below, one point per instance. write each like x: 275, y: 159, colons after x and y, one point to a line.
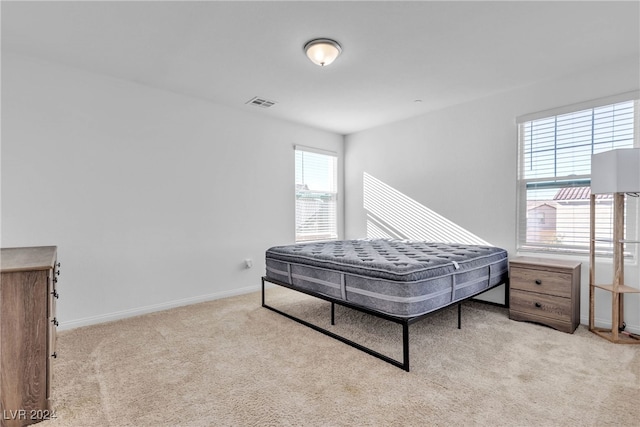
x: 260, y: 102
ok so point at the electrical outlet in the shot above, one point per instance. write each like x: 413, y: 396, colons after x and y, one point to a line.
x: 248, y: 263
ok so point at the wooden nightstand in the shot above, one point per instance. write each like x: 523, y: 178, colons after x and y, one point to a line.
x: 545, y: 291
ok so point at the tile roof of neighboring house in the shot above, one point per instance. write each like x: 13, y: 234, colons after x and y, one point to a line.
x: 578, y: 193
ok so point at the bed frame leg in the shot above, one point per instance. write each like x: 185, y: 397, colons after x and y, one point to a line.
x: 405, y: 346
x: 459, y: 315
x: 507, y: 284
x: 333, y: 313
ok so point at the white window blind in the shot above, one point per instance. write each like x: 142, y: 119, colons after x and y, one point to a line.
x: 316, y: 195
x: 554, y: 175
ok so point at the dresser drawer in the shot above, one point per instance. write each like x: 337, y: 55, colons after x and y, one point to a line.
x: 26, y: 306
x: 541, y: 281
x: 550, y: 306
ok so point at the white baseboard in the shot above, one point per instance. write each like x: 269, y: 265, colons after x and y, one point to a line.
x: 606, y: 323
x: 72, y: 324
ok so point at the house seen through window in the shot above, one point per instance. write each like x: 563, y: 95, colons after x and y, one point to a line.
x: 554, y: 175
x: 316, y: 195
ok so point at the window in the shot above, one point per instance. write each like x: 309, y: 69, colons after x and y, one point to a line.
x: 554, y: 173
x: 316, y: 195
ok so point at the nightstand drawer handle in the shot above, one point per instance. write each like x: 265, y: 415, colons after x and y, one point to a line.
x: 538, y: 305
x: 538, y: 282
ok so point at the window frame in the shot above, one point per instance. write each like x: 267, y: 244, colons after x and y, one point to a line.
x: 334, y: 232
x: 559, y: 182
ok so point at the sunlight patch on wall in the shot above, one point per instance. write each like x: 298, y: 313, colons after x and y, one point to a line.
x: 391, y: 214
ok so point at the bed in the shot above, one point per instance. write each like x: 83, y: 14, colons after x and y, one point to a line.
x: 398, y: 280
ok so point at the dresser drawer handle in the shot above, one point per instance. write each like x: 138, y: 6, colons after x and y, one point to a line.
x: 538, y: 305
x: 538, y: 282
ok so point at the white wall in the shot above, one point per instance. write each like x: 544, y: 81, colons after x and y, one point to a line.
x: 153, y: 199
x: 461, y: 163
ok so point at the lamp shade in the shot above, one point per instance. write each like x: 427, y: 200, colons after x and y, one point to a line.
x: 322, y: 51
x: 616, y: 171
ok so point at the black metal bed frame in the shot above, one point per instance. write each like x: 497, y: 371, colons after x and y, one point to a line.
x: 404, y: 321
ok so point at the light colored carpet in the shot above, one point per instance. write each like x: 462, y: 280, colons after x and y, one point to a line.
x: 231, y: 362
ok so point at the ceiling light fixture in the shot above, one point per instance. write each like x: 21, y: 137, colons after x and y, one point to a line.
x: 322, y: 51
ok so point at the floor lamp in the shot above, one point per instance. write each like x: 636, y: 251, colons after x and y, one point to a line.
x: 614, y: 172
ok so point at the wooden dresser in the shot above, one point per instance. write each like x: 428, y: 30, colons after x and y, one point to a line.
x: 545, y: 291
x: 28, y: 295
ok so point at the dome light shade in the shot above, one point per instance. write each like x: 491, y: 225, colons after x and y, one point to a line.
x: 322, y: 51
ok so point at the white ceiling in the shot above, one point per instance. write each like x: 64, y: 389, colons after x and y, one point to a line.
x: 394, y: 52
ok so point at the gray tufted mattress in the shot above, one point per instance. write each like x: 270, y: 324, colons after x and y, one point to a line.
x: 397, y: 277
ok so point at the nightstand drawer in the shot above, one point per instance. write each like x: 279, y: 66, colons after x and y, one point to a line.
x: 549, y: 306
x: 541, y: 281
